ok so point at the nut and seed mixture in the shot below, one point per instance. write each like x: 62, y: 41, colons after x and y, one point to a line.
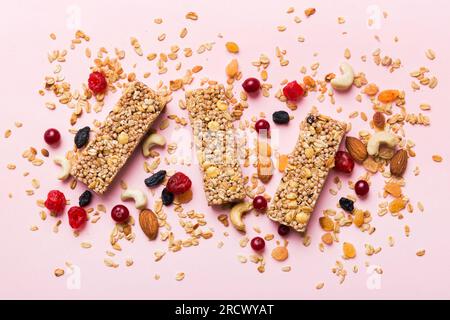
x: 214, y: 140
x: 126, y: 125
x: 307, y: 170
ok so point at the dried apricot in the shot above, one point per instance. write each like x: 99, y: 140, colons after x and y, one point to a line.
x: 388, y: 96
x: 327, y: 238
x: 280, y: 253
x: 397, y: 205
x: 282, y: 162
x: 326, y: 223
x: 393, y: 189
x: 349, y: 250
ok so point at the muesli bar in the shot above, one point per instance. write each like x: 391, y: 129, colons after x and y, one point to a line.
x: 214, y: 139
x: 307, y: 170
x: 98, y: 163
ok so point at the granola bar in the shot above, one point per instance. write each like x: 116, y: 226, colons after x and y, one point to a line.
x: 307, y: 170
x: 98, y: 163
x: 214, y: 138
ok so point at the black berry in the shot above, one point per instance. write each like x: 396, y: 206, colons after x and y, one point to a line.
x: 346, y: 204
x: 155, y: 179
x: 82, y: 137
x: 311, y: 119
x: 167, y: 197
x: 85, y: 198
x: 280, y: 117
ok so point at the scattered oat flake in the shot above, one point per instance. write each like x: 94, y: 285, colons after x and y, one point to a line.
x: 192, y: 16
x: 59, y: 272
x: 437, y: 158
x: 430, y: 54
x: 420, y: 253
x: 180, y: 276
x: 320, y: 285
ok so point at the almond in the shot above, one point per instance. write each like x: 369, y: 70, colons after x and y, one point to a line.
x: 356, y: 148
x: 379, y: 120
x: 149, y: 223
x: 399, y: 162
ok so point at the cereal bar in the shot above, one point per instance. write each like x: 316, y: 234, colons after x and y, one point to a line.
x: 98, y: 163
x: 214, y: 138
x: 307, y: 170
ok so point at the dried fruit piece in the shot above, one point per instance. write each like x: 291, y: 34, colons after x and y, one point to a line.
x: 262, y: 126
x: 349, y: 250
x: 149, y: 223
x: 52, y: 136
x: 185, y: 197
x: 388, y: 96
x: 371, y: 89
x: 77, y: 217
x: 397, y: 205
x: 178, y: 183
x: 293, y: 91
x: 280, y: 253
x: 56, y: 201
x: 156, y: 179
x: 120, y: 213
x: 327, y: 238
x: 361, y: 188
x: 356, y: 148
x: 232, y: 47
x: 379, y: 121
x: 82, y: 137
x: 97, y: 82
x: 326, y: 223
x: 251, y: 85
x: 343, y: 162
x: 85, y: 198
x: 280, y: 117
x: 399, y: 163
x: 232, y: 68
x: 358, y: 219
x: 394, y: 189
x: 346, y: 204
x: 167, y: 197
x: 282, y: 162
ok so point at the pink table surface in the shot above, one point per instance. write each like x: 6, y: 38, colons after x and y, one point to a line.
x: 28, y: 259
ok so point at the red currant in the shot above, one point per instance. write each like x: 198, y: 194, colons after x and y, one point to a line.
x: 260, y: 203
x: 283, y: 230
x: 343, y: 162
x: 56, y: 201
x: 258, y: 243
x: 77, y: 217
x: 361, y: 188
x: 120, y: 213
x: 178, y: 183
x: 251, y: 85
x: 262, y: 124
x: 52, y: 136
x: 293, y: 91
x: 97, y: 82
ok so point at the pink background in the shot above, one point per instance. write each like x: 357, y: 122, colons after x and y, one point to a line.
x: 27, y: 259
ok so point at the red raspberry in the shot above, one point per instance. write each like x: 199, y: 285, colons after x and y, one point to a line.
x: 293, y: 91
x: 97, y: 82
x: 178, y: 183
x: 77, y: 217
x: 56, y: 201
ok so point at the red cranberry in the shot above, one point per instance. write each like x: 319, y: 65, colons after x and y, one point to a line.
x: 293, y: 91
x: 56, y: 201
x: 120, y: 213
x: 260, y: 203
x: 97, y: 82
x: 251, y: 85
x: 362, y: 188
x: 343, y: 162
x: 178, y: 183
x: 283, y: 230
x: 52, y: 136
x: 262, y: 124
x: 258, y: 243
x: 77, y: 217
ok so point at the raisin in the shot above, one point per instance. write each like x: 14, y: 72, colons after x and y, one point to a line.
x: 167, y: 197
x: 311, y: 119
x: 82, y: 137
x: 85, y: 199
x: 155, y: 179
x: 280, y: 117
x: 346, y: 204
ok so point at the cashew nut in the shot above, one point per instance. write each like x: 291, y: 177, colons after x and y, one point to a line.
x: 236, y: 214
x: 152, y: 140
x: 345, y: 80
x: 139, y: 197
x: 378, y: 138
x: 65, y: 167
